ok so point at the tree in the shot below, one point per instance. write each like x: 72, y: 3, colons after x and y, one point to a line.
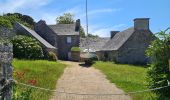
x: 92, y: 36
x: 23, y: 19
x: 27, y: 48
x: 5, y: 23
x: 82, y: 33
x: 66, y: 18
x: 158, y: 73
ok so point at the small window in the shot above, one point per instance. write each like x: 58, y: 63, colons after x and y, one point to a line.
x: 68, y: 39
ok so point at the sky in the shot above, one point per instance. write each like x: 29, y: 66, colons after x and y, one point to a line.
x: 104, y: 15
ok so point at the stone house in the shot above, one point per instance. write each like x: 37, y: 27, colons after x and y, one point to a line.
x: 128, y: 46
x: 61, y: 36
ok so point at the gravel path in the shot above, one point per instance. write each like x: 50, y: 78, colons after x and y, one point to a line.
x: 78, y: 79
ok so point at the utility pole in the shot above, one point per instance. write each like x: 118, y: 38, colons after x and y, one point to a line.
x: 87, y: 26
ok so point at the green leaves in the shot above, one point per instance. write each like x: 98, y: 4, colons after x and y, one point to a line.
x: 159, y: 52
x: 5, y: 23
x: 67, y: 18
x: 75, y: 49
x: 27, y: 47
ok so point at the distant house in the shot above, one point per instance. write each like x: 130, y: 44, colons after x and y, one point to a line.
x: 61, y: 36
x: 128, y: 46
x: 94, y: 44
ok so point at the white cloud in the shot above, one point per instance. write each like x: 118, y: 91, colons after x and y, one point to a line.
x: 15, y: 5
x: 50, y: 16
x: 105, y: 31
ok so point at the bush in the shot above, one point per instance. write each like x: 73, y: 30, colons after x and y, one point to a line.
x: 5, y: 23
x: 27, y: 48
x: 75, y: 49
x: 52, y: 56
x: 158, y: 73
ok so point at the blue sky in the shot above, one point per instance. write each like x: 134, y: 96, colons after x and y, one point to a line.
x: 104, y: 15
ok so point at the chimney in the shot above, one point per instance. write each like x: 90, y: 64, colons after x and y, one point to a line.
x: 77, y: 28
x: 113, y: 33
x: 141, y: 24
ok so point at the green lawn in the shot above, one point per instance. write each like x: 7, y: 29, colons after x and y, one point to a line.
x: 127, y: 77
x: 40, y: 73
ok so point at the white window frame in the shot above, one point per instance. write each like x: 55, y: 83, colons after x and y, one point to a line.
x: 69, y: 39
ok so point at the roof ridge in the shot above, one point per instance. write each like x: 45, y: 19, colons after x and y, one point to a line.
x: 37, y: 36
x: 119, y: 39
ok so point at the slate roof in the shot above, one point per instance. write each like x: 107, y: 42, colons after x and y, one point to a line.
x: 118, y: 40
x: 64, y: 29
x: 35, y: 35
x: 95, y: 44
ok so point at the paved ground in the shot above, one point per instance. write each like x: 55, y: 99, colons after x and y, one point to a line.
x: 85, y: 80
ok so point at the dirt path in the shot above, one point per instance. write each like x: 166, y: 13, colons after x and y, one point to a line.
x: 78, y: 79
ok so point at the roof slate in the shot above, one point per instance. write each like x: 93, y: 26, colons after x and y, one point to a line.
x: 118, y: 40
x: 39, y: 38
x: 94, y: 44
x: 64, y: 29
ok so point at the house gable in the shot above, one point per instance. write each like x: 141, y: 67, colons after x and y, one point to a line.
x: 45, y: 32
x: 134, y: 48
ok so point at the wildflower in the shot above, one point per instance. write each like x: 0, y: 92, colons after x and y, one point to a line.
x: 32, y: 82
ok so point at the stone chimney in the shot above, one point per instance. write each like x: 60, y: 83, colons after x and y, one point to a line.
x: 113, y: 33
x: 141, y: 24
x: 77, y: 28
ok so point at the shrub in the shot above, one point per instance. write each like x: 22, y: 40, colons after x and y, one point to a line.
x: 26, y: 47
x: 75, y: 49
x: 52, y: 56
x: 5, y: 23
x: 158, y: 73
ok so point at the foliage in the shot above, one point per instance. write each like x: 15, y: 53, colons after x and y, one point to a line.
x: 92, y: 36
x: 24, y: 19
x: 26, y: 47
x: 82, y: 33
x: 66, y: 18
x: 75, y: 49
x: 11, y: 18
x: 5, y: 23
x: 127, y: 77
x: 21, y: 95
x: 39, y: 73
x: 52, y: 56
x: 158, y: 73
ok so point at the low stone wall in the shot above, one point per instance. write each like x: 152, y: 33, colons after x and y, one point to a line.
x: 75, y: 55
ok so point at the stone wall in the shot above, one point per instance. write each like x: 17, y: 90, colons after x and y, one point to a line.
x: 107, y: 55
x: 64, y: 48
x: 5, y: 32
x: 6, y: 70
x: 75, y: 55
x: 133, y: 51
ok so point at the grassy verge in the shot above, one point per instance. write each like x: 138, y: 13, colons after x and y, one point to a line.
x: 39, y: 73
x: 127, y: 77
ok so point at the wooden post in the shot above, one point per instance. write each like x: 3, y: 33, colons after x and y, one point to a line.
x: 6, y: 57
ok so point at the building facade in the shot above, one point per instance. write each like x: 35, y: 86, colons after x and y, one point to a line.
x: 61, y: 36
x: 129, y: 46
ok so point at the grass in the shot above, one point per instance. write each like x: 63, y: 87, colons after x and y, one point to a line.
x: 45, y: 73
x: 127, y: 77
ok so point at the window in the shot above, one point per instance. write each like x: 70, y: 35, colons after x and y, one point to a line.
x: 68, y: 39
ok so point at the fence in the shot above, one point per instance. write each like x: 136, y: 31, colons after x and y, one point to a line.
x: 6, y: 70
